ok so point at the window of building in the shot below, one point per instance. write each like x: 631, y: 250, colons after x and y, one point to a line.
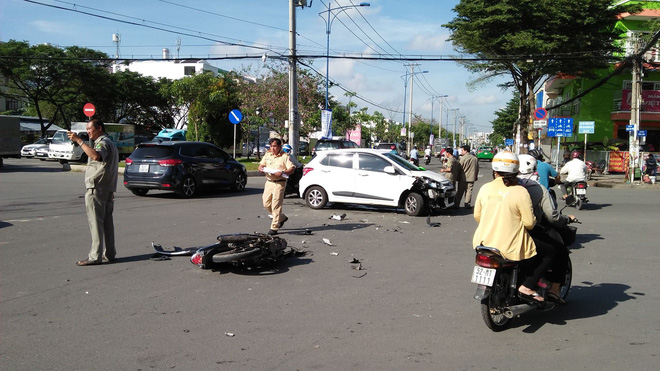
x: 12, y: 104
x: 189, y: 70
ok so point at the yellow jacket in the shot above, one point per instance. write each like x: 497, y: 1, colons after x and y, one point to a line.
x: 505, y: 214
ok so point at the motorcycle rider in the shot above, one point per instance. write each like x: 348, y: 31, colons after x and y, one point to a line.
x: 576, y: 171
x: 547, y: 174
x: 427, y: 155
x: 547, y: 219
x: 294, y: 179
x: 505, y: 215
x: 414, y: 156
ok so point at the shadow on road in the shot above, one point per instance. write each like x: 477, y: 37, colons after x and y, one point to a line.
x: 584, y: 301
x: 5, y: 224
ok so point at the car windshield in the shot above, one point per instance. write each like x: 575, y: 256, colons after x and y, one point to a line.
x: 60, y: 137
x: 401, y: 161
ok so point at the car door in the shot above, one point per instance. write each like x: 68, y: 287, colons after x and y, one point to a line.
x: 222, y: 169
x: 373, y: 185
x: 337, y: 176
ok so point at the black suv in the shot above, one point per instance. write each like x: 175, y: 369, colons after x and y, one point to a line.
x: 182, y: 167
x: 327, y: 144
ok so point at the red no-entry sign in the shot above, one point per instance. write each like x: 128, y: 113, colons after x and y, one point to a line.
x: 89, y: 110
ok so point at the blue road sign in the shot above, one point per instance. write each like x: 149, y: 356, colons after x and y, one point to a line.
x: 586, y: 127
x: 641, y: 133
x: 235, y: 116
x: 630, y: 127
x: 508, y: 142
x: 540, y: 113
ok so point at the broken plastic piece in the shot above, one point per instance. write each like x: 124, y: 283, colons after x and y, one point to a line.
x: 338, y: 217
x: 327, y: 242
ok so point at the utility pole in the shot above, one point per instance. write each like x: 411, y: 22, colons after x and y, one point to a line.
x: 633, y: 141
x: 294, y: 119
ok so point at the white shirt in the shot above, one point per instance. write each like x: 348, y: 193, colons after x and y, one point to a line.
x: 413, y: 153
x: 427, y: 152
x: 576, y: 170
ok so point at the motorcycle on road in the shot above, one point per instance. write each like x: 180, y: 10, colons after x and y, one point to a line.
x: 498, y: 280
x: 577, y: 195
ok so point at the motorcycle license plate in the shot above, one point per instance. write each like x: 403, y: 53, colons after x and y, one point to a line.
x: 483, y: 276
x: 581, y: 191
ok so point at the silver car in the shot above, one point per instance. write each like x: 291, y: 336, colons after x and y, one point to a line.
x: 30, y: 149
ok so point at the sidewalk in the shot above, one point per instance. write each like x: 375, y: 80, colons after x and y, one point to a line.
x: 618, y: 181
x: 81, y: 169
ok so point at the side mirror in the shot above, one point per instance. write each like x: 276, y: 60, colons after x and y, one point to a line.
x: 389, y: 170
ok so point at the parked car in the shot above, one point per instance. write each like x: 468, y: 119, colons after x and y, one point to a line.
x: 373, y: 177
x: 388, y: 146
x: 182, y: 167
x: 30, y: 149
x: 485, y: 153
x: 42, y: 153
x: 328, y: 144
x: 303, y: 148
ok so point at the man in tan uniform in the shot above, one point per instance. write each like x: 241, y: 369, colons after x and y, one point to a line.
x: 452, y: 170
x: 277, y: 166
x: 101, y: 184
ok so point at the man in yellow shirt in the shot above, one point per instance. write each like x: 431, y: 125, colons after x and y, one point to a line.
x: 277, y: 166
x: 505, y: 215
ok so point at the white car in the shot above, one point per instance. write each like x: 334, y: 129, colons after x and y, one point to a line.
x: 373, y: 177
x: 30, y: 149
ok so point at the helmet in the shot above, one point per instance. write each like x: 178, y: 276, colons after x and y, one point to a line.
x: 536, y: 154
x: 575, y: 154
x: 287, y: 148
x: 506, y: 162
x: 527, y: 164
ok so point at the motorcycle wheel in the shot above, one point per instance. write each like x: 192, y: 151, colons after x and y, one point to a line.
x: 566, y: 285
x: 492, y: 307
x: 578, y: 204
x: 234, y: 255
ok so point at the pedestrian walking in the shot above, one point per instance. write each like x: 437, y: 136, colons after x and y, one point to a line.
x: 101, y: 184
x: 277, y: 166
x: 470, y: 165
x: 651, y: 167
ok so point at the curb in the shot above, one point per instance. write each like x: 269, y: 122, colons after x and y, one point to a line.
x: 81, y: 169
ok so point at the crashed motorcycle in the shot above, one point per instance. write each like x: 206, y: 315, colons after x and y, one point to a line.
x: 498, y: 280
x: 238, y: 249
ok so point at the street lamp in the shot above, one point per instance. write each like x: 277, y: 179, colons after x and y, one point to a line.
x: 433, y: 98
x: 328, y: 24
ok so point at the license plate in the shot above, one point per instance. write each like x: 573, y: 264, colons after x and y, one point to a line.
x: 581, y: 191
x: 144, y: 168
x: 483, y: 276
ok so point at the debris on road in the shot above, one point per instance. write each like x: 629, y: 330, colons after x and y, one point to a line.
x: 230, y: 334
x: 430, y: 224
x: 327, y: 242
x: 334, y: 253
x: 338, y: 217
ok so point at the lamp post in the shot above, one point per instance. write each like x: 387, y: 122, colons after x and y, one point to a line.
x: 328, y: 25
x: 433, y: 98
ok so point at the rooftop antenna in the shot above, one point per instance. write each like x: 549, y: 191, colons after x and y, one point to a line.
x: 178, y: 47
x: 116, y: 39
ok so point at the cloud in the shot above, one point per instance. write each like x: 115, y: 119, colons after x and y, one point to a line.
x: 51, y: 27
x: 485, y: 99
x: 429, y: 43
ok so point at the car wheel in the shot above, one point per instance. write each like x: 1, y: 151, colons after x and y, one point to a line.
x: 414, y: 204
x: 316, y: 197
x: 139, y: 191
x: 188, y: 187
x: 239, y: 182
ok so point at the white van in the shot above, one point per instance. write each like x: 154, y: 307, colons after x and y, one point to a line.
x: 63, y: 149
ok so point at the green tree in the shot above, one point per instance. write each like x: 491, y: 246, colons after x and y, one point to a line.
x: 51, y: 77
x: 531, y: 39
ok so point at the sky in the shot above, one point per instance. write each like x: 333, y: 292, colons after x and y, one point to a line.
x: 220, y: 28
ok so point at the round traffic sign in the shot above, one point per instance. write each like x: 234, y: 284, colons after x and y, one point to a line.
x: 235, y: 116
x: 89, y: 110
x: 540, y: 113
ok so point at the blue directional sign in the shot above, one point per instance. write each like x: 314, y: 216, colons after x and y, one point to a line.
x: 508, y: 142
x: 641, y: 133
x: 562, y: 127
x: 630, y: 127
x: 235, y: 116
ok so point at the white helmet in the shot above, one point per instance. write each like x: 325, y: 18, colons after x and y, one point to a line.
x: 527, y: 164
x: 506, y: 162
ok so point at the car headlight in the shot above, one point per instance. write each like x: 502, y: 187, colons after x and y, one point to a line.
x: 431, y: 183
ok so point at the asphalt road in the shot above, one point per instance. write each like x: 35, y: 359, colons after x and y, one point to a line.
x: 411, y: 306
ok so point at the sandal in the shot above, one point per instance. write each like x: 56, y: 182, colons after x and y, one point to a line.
x: 85, y: 262
x: 534, y: 296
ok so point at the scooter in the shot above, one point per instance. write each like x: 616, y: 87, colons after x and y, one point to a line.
x: 498, y: 280
x: 577, y: 195
x: 427, y: 159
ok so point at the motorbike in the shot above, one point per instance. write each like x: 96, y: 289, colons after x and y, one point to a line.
x: 595, y: 167
x: 415, y: 161
x: 427, y: 159
x: 292, y: 183
x: 498, y: 280
x: 238, y: 249
x: 577, y: 195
